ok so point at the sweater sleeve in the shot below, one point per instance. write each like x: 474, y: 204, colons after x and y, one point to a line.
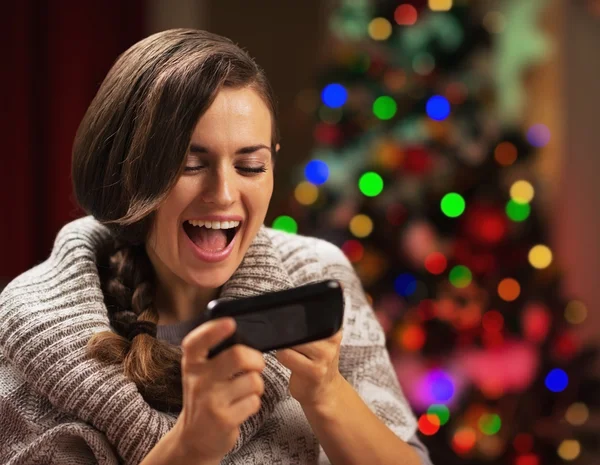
x: 32, y: 431
x: 364, y: 360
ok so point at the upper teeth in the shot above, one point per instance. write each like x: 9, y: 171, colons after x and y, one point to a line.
x: 215, y: 224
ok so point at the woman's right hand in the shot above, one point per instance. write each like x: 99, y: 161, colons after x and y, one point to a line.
x: 215, y: 403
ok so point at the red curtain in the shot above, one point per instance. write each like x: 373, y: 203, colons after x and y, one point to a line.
x: 56, y: 54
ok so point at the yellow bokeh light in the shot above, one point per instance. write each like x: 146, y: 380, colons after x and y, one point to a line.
x: 440, y: 5
x: 540, y: 256
x: 569, y: 449
x: 306, y: 193
x: 361, y: 226
x: 576, y: 312
x: 380, y: 29
x: 577, y: 414
x: 522, y: 192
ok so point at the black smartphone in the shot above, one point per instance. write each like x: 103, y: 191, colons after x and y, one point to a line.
x: 281, y: 319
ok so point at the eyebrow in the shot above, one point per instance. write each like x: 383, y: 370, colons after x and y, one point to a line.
x: 195, y: 148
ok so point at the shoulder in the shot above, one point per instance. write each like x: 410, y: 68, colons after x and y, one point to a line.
x: 306, y: 257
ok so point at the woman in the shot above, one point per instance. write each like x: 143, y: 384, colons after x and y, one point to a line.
x: 102, y: 347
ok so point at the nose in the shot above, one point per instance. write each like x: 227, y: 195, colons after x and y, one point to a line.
x: 219, y: 188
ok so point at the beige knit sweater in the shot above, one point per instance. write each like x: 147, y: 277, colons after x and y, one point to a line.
x: 58, y: 407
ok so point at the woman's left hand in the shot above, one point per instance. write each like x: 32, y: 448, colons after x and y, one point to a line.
x: 315, y: 370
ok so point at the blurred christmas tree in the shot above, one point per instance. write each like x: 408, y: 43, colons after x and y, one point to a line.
x: 422, y: 175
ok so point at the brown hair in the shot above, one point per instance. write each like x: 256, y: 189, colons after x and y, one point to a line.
x: 128, y: 153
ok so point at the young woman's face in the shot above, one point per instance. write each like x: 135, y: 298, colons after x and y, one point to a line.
x: 206, y: 224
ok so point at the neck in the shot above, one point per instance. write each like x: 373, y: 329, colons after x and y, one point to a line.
x: 181, y: 303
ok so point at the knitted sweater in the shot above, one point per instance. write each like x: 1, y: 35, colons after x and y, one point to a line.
x: 58, y: 406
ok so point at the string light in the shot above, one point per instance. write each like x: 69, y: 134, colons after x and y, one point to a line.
x: 577, y: 414
x: 540, y: 256
x: 538, y: 135
x: 384, y: 107
x: 509, y: 289
x: 522, y: 192
x: 569, y: 449
x: 380, y: 29
x: 517, y: 211
x: 405, y: 284
x: 440, y: 5
x: 285, y: 223
x: 406, y: 15
x: 412, y: 337
x: 464, y: 440
x: 370, y: 184
x: 436, y: 263
x: 334, y: 95
x: 453, y: 205
x: 460, y: 276
x: 306, y: 193
x: 575, y: 312
x: 440, y: 385
x: 505, y: 153
x: 440, y: 411
x: 557, y: 380
x: 428, y: 424
x: 361, y: 226
x: 489, y: 423
x: 316, y: 172
x: 438, y: 108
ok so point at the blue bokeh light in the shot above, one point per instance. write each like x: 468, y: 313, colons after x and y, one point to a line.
x: 316, y: 172
x: 538, y: 135
x: 438, y: 108
x: 441, y: 385
x: 405, y: 284
x: 557, y: 380
x: 334, y: 95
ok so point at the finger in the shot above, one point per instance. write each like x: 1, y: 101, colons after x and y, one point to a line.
x: 235, y: 359
x: 245, y: 407
x: 198, y: 342
x: 244, y: 386
x: 295, y: 361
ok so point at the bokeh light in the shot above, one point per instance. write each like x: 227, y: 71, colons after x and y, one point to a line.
x: 522, y: 191
x: 492, y: 321
x: 423, y: 63
x: 406, y: 15
x: 577, y: 414
x: 569, y: 449
x: 523, y: 443
x: 509, y: 289
x: 438, y: 108
x: 412, y: 337
x: 505, y: 153
x: 453, y: 205
x: 353, y: 249
x: 540, y: 256
x: 361, y: 225
x: 440, y: 385
x: 464, y: 440
x: 405, y: 284
x: 370, y: 184
x: 428, y: 424
x: 330, y: 115
x: 576, y: 312
x: 440, y: 411
x: 384, y: 107
x: 489, y: 423
x: 380, y: 29
x: 494, y: 22
x: 334, y: 95
x: 306, y: 193
x: 436, y: 263
x: 527, y: 459
x: 538, y: 135
x: 316, y: 172
x: 440, y: 5
x: 517, y: 211
x: 285, y: 223
x: 557, y: 380
x: 460, y: 276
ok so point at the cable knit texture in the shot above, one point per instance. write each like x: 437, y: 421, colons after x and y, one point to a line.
x: 58, y: 406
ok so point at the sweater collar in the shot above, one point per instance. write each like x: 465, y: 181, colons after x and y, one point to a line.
x: 48, y: 314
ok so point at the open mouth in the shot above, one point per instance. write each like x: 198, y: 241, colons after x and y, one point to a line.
x: 211, y: 236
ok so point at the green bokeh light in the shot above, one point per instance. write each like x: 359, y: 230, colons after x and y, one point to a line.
x: 490, y: 423
x: 370, y: 184
x: 285, y: 223
x: 460, y: 276
x: 384, y: 107
x: 517, y: 211
x: 453, y: 205
x: 440, y: 411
